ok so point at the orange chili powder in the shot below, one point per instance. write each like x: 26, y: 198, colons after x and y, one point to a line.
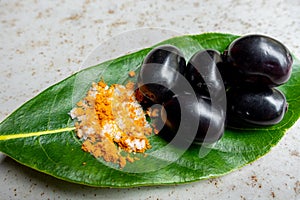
x: 110, y: 121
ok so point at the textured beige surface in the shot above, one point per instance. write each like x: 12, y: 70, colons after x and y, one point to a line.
x: 43, y: 42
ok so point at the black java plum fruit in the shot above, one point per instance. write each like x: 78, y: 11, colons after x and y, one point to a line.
x: 190, y: 118
x: 258, y: 60
x: 254, y: 106
x: 203, y: 74
x: 160, y: 72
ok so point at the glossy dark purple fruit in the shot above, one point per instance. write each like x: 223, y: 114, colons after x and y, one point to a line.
x: 159, y: 73
x: 193, y: 111
x: 255, y: 106
x: 203, y: 74
x: 258, y: 60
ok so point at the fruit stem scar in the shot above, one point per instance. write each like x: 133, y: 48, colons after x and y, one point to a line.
x: 32, y: 134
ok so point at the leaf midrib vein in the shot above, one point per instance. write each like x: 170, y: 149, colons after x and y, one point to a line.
x: 32, y: 134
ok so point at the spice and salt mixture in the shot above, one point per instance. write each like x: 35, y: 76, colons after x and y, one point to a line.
x: 110, y: 120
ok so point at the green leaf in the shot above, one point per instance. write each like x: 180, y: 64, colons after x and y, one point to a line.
x: 40, y: 134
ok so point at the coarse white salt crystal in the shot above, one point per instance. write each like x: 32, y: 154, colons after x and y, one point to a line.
x: 117, y: 91
x: 88, y: 130
x: 107, y: 127
x: 139, y: 144
x: 120, y: 123
x: 81, y: 118
x: 136, y: 144
x: 118, y: 136
x: 130, y: 143
x: 80, y: 133
x: 93, y: 93
x: 72, y: 113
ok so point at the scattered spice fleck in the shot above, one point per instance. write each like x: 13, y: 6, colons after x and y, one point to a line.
x: 110, y: 121
x: 297, y: 187
x: 272, y: 194
x: 242, y: 197
x: 111, y: 11
x: 295, y: 153
x: 131, y: 74
x: 75, y: 16
x: 254, y: 178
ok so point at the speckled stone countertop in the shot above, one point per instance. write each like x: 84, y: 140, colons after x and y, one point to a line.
x: 43, y: 42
